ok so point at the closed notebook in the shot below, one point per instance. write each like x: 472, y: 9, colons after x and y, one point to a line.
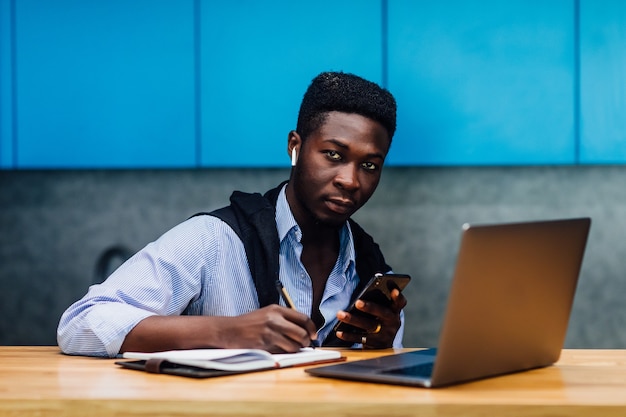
x: 204, y: 363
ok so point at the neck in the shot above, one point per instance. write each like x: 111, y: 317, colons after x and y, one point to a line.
x: 317, y: 233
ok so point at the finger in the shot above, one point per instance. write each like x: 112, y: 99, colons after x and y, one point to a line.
x: 398, y: 300
x: 303, y: 321
x: 351, y: 337
x: 295, y: 326
x: 388, y: 319
x: 281, y: 343
x: 380, y: 313
x: 364, y: 323
x: 367, y: 340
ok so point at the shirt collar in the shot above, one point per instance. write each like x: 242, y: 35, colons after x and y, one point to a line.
x: 285, y: 223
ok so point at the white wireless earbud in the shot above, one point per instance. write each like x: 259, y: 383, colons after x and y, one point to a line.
x: 294, y: 157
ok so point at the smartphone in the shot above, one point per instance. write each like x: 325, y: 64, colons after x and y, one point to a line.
x: 377, y: 290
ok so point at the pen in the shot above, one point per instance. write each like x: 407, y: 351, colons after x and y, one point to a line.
x: 283, y: 293
x: 287, y: 299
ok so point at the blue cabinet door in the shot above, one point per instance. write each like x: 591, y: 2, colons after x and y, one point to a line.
x: 482, y: 81
x: 104, y: 84
x: 6, y: 85
x: 258, y: 58
x: 603, y: 81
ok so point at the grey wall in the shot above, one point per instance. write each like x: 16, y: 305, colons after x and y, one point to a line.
x: 55, y: 224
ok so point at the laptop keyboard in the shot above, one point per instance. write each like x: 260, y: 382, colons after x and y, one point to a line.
x: 420, y: 370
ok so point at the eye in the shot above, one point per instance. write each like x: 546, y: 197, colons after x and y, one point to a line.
x: 333, y: 155
x: 370, y: 166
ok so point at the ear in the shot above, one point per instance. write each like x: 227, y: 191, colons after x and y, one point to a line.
x: 294, y: 143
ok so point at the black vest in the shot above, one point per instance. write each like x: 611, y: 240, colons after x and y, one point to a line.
x: 253, y: 218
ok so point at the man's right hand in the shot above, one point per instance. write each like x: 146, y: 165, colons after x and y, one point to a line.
x: 273, y: 328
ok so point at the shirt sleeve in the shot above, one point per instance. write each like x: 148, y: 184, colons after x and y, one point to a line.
x: 161, y: 279
x: 397, y: 342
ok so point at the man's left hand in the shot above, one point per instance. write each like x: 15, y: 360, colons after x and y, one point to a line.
x: 378, y: 332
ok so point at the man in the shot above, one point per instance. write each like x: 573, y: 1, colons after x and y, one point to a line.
x: 210, y: 281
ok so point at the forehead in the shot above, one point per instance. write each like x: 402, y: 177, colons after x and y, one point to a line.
x: 354, y: 129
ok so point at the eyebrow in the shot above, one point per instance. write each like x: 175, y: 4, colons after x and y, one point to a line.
x: 344, y: 146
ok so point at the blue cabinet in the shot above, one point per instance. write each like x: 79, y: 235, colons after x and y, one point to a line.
x: 603, y: 81
x: 482, y: 82
x: 192, y: 83
x: 258, y: 58
x: 104, y: 84
x: 6, y: 85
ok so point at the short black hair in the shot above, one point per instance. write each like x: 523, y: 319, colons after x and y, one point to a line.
x: 348, y: 93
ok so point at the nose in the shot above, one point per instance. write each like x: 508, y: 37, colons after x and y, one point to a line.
x: 347, y: 177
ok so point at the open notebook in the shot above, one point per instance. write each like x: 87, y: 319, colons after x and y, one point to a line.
x: 203, y: 363
x: 508, y: 308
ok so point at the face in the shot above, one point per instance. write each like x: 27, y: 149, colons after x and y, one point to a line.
x: 338, y: 168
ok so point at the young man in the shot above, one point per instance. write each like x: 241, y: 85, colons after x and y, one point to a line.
x: 211, y: 281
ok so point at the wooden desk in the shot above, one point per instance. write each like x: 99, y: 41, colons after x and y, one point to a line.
x: 41, y: 381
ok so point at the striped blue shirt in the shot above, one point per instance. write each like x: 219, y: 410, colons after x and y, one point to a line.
x: 200, y: 267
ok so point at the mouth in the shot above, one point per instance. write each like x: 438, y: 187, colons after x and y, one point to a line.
x: 340, y: 205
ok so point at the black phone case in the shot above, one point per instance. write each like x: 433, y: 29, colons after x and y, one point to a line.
x: 377, y: 290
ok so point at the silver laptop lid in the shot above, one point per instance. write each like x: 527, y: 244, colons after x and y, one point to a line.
x: 510, y: 299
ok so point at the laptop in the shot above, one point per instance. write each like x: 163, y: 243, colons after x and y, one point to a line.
x: 508, y: 308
